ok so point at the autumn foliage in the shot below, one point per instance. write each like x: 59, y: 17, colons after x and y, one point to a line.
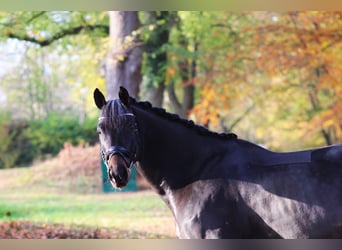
x: 288, y: 66
x: 272, y: 77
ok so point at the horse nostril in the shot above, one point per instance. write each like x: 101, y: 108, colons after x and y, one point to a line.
x: 108, y: 157
x: 117, y: 176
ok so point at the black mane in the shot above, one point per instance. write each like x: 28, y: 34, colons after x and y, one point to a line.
x: 187, y: 123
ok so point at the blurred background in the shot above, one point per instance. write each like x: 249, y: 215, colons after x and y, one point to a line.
x: 273, y: 78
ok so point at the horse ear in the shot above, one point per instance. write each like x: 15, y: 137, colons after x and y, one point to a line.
x: 99, y: 98
x: 124, y: 96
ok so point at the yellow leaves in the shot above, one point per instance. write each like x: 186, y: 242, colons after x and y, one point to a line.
x: 170, y: 73
x: 37, y: 34
x: 120, y: 57
x: 103, y: 15
x: 41, y: 37
x: 151, y: 27
x: 329, y: 120
x: 6, y: 31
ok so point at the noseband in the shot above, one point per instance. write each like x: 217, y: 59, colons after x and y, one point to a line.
x: 121, y: 151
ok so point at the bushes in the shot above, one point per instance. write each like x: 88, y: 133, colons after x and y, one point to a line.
x: 22, y: 142
x: 8, y: 152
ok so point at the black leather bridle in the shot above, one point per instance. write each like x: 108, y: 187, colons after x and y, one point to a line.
x: 125, y: 154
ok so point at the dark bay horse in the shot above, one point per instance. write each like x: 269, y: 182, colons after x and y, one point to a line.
x: 219, y: 186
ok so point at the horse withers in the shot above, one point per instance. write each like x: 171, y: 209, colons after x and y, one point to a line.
x: 219, y: 186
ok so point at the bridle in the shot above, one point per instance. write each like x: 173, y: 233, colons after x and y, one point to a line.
x: 125, y: 154
x: 129, y: 157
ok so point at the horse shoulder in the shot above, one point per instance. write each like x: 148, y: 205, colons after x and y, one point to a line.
x: 205, y: 209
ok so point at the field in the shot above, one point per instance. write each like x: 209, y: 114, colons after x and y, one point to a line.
x: 56, y: 199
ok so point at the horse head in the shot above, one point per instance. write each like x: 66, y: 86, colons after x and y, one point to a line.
x: 118, y: 136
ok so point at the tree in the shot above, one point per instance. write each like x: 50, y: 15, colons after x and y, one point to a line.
x: 7, y: 154
x: 44, y: 28
x: 183, y: 56
x: 123, y: 63
x: 186, y: 67
x: 313, y: 68
x: 54, y: 70
x: 286, y: 65
x: 158, y: 25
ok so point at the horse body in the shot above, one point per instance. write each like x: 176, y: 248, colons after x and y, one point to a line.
x: 240, y: 186
x: 223, y: 187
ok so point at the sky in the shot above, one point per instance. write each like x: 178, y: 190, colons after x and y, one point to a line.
x: 11, y: 52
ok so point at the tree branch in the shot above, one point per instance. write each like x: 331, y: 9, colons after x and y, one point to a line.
x: 309, y: 33
x: 40, y: 13
x: 67, y: 32
x: 177, y: 106
x: 229, y: 128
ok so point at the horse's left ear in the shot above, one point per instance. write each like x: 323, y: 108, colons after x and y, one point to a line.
x: 124, y: 96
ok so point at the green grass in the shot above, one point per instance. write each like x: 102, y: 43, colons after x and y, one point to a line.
x: 124, y: 211
x: 22, y: 199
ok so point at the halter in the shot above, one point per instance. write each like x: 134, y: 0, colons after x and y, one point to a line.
x: 129, y: 157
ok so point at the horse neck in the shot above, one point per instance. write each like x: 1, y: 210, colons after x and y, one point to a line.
x: 170, y: 153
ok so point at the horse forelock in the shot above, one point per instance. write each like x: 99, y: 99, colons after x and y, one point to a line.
x: 113, y: 113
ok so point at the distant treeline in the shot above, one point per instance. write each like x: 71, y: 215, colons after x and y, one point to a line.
x: 23, y: 141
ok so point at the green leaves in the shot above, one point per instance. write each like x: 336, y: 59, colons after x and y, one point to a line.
x: 44, y: 28
x: 24, y: 141
x: 48, y: 135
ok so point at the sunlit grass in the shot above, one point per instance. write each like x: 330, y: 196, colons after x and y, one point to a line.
x: 22, y: 199
x: 138, y: 212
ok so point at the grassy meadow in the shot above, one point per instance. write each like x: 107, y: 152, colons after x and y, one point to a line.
x: 45, y: 195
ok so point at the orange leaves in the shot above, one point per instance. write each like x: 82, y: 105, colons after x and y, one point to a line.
x: 32, y: 230
x: 170, y: 74
x: 206, y: 111
x: 300, y: 39
x: 215, y: 100
x: 291, y: 62
x: 330, y: 120
x: 304, y: 48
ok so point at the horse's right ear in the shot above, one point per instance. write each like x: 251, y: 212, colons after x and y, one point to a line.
x: 99, y: 98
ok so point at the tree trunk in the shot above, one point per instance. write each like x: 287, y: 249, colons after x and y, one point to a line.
x: 123, y: 64
x: 188, y: 73
x: 189, y: 88
x: 156, y: 56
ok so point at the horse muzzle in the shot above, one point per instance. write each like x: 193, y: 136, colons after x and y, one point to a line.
x: 119, y: 163
x: 118, y: 171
